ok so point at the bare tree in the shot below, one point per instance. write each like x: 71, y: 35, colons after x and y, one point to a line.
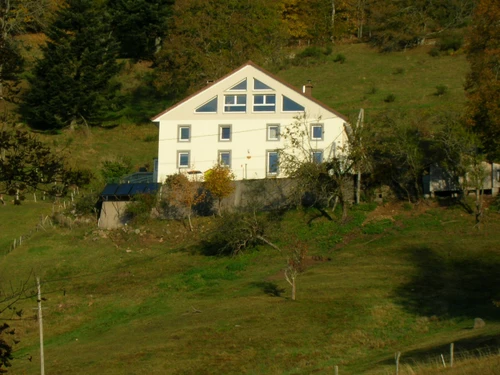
x: 295, y: 265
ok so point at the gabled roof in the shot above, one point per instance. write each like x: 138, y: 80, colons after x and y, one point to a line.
x: 251, y: 63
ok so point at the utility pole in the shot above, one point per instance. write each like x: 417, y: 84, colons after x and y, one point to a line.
x: 40, y: 323
x: 359, y: 126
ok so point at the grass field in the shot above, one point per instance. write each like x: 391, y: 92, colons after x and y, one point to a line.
x: 121, y: 302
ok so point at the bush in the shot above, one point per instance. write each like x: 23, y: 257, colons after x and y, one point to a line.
x: 112, y: 171
x: 398, y: 71
x: 86, y: 204
x: 339, y: 58
x: 312, y: 55
x: 390, y: 98
x: 441, y: 90
x: 434, y: 52
x: 139, y: 210
x: 236, y: 232
x: 451, y: 42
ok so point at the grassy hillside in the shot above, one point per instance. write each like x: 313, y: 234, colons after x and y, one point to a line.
x: 148, y: 301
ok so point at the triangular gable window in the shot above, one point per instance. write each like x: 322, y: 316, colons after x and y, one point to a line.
x: 208, y: 107
x: 291, y: 106
x: 242, y: 86
x: 259, y: 85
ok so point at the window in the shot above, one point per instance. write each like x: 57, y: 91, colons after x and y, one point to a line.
x: 317, y: 132
x: 272, y: 163
x: 183, y: 159
x: 224, y: 133
x: 208, y: 107
x: 317, y: 156
x: 225, y: 158
x: 235, y: 103
x: 264, y: 103
x: 291, y: 106
x: 184, y: 133
x: 242, y: 86
x: 259, y: 85
x: 273, y: 132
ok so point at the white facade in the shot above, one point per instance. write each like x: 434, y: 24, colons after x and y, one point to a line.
x: 238, y: 121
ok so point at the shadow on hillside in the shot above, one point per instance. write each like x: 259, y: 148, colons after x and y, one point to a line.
x: 472, y: 347
x: 448, y: 285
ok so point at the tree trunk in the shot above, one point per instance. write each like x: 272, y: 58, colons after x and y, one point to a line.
x: 294, y: 289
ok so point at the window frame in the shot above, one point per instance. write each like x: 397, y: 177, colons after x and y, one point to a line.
x: 284, y: 98
x: 216, y: 98
x: 267, y: 89
x: 268, y: 165
x: 268, y: 132
x: 183, y: 152
x: 223, y: 126
x: 321, y: 126
x: 219, y: 159
x: 235, y: 104
x: 264, y: 104
x: 232, y: 88
x: 179, y: 133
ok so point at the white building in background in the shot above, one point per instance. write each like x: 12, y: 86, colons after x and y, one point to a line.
x: 237, y: 120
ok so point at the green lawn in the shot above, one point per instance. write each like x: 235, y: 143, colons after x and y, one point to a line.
x: 126, y: 303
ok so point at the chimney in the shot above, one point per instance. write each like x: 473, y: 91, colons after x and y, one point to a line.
x: 307, y: 88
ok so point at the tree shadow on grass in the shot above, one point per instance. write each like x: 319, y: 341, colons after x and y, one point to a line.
x: 449, y: 285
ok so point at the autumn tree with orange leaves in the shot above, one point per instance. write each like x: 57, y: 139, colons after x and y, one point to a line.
x: 483, y: 81
x: 219, y: 182
x: 183, y: 195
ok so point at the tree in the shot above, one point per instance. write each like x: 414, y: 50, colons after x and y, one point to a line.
x: 219, y: 182
x: 237, y: 231
x: 183, y: 195
x: 209, y: 38
x: 26, y: 164
x: 320, y: 181
x: 16, y: 16
x: 483, y: 81
x: 397, y: 149
x: 140, y: 25
x: 295, y: 265
x: 71, y: 83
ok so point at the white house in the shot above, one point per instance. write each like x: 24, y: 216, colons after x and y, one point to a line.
x: 237, y: 120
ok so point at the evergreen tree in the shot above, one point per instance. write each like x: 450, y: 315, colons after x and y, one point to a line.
x: 71, y: 83
x: 140, y: 25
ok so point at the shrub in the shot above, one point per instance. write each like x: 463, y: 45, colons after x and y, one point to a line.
x: 398, y: 71
x: 434, y: 52
x: 86, y: 204
x: 441, y: 90
x: 340, y: 58
x: 113, y: 170
x: 236, y: 232
x: 312, y: 55
x: 451, y: 42
x: 390, y: 98
x: 139, y: 210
